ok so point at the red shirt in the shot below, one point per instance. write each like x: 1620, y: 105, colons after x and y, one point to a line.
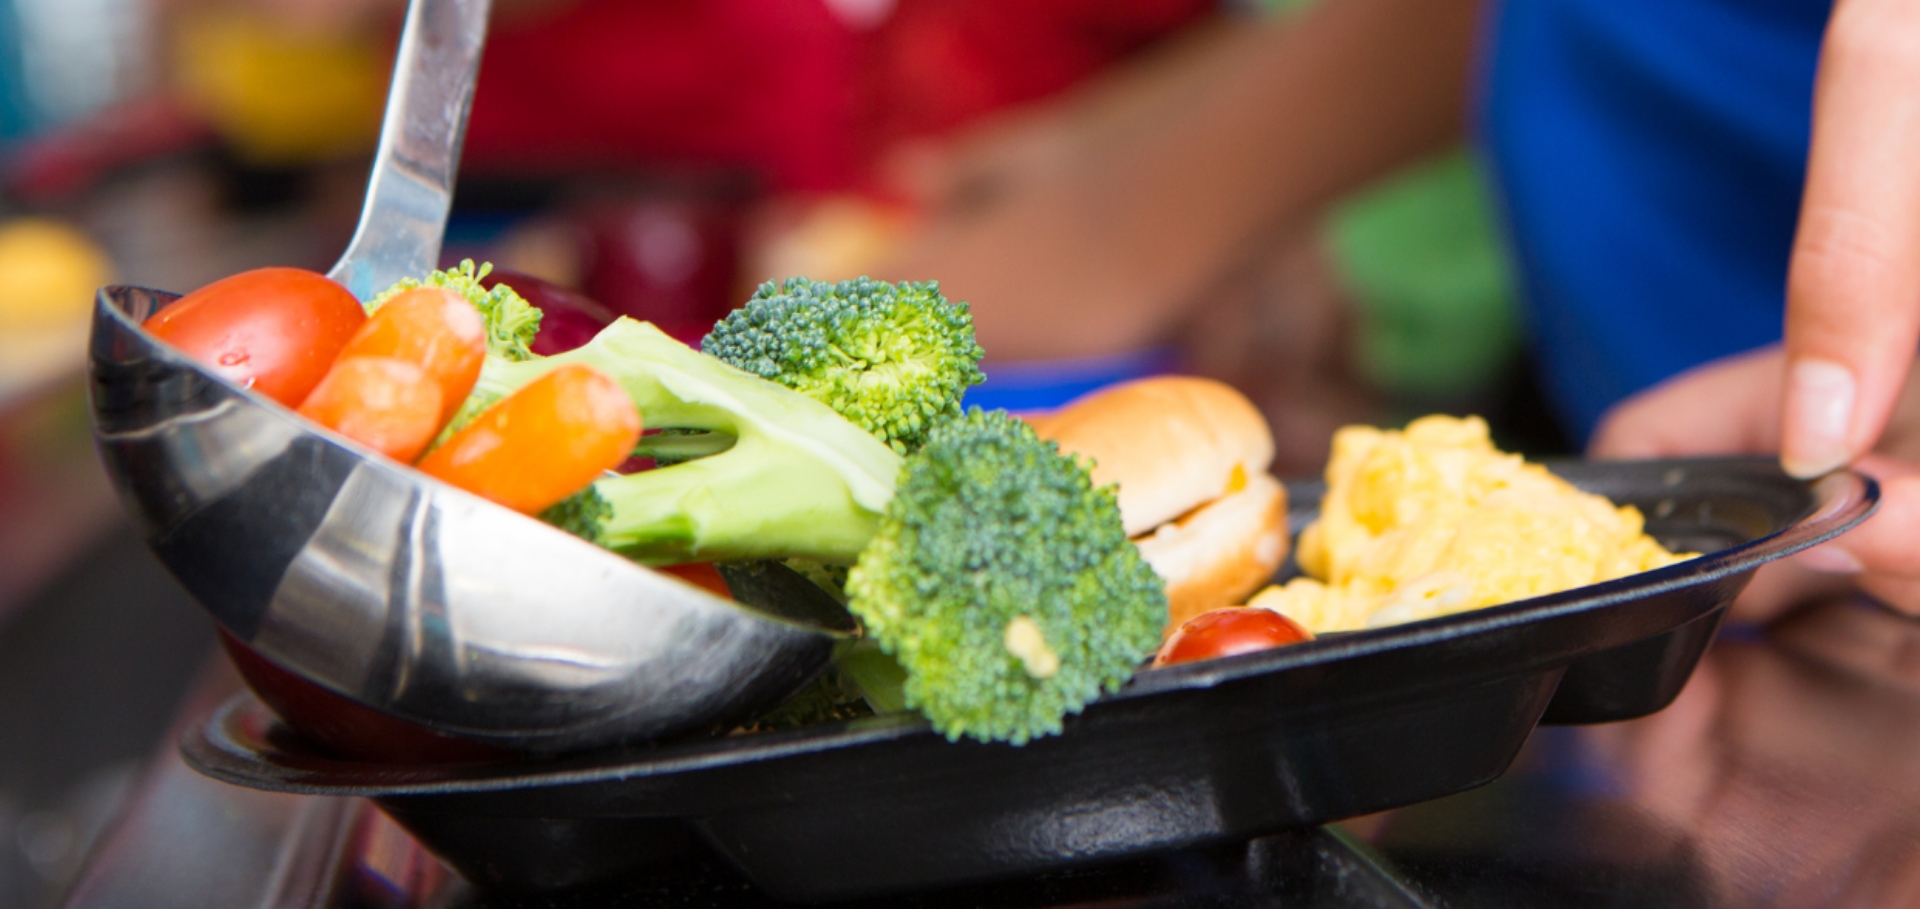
x: 785, y: 89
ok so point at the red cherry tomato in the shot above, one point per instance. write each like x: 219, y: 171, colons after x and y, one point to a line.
x: 275, y: 330
x: 1225, y: 632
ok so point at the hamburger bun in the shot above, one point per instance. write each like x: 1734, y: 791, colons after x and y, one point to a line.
x: 1189, y: 457
x: 1171, y: 443
x: 1221, y: 553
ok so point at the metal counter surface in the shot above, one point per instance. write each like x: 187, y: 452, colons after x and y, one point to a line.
x: 1787, y: 774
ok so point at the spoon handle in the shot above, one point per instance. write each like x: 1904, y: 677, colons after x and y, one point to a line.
x: 411, y: 188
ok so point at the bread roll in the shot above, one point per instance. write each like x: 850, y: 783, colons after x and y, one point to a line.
x: 1190, y: 458
x: 1172, y: 443
x: 1220, y: 554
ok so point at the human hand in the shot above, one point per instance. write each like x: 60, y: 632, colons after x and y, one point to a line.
x: 1853, y: 322
x: 1853, y: 288
x: 1731, y: 406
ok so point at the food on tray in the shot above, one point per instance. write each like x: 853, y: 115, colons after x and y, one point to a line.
x: 822, y: 427
x: 1002, y: 582
x: 1226, y: 632
x: 1434, y: 520
x: 982, y: 561
x: 274, y: 330
x: 1190, y: 458
x: 892, y: 358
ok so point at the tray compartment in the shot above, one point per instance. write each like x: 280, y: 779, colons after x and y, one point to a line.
x: 543, y: 855
x: 1632, y: 680
x: 1208, y: 752
x: 1203, y: 767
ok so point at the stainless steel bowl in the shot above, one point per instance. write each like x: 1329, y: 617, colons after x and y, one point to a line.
x: 410, y: 596
x: 401, y: 593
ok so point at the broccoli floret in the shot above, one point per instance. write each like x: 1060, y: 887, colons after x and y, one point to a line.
x: 796, y: 480
x: 892, y: 358
x: 1003, y: 583
x: 583, y: 514
x: 511, y: 320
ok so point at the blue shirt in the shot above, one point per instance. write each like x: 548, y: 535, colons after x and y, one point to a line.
x: 1648, y: 156
x: 1047, y: 384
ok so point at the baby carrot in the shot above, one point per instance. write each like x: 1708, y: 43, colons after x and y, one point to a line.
x: 389, y: 405
x: 543, y: 443
x: 433, y: 328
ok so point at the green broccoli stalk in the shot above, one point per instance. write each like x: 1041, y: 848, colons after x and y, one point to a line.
x: 672, y: 446
x: 1003, y: 583
x: 797, y: 480
x: 893, y: 358
x: 832, y: 696
x: 511, y: 320
x: 996, y: 584
x: 877, y: 676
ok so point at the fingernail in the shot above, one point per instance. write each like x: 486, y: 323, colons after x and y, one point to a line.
x: 1819, y: 411
x: 1829, y: 558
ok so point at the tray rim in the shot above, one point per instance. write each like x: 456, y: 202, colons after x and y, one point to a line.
x: 1840, y: 500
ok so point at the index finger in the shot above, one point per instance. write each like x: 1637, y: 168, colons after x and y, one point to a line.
x: 1853, y: 288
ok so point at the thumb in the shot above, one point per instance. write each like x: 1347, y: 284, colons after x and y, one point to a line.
x: 1853, y: 288
x: 1884, y: 544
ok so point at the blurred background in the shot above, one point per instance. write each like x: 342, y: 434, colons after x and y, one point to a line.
x: 661, y: 158
x: 665, y: 157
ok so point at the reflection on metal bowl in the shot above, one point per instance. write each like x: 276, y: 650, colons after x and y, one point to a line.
x: 406, y: 595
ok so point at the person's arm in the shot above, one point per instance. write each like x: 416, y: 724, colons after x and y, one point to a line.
x: 1096, y: 246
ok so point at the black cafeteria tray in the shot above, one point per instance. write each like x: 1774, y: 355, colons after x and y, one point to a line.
x: 1204, y: 753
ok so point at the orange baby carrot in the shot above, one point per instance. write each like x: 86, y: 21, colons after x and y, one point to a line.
x: 543, y: 443
x: 389, y: 405
x: 433, y: 328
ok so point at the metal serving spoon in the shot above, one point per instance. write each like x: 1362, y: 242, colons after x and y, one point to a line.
x: 390, y: 588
